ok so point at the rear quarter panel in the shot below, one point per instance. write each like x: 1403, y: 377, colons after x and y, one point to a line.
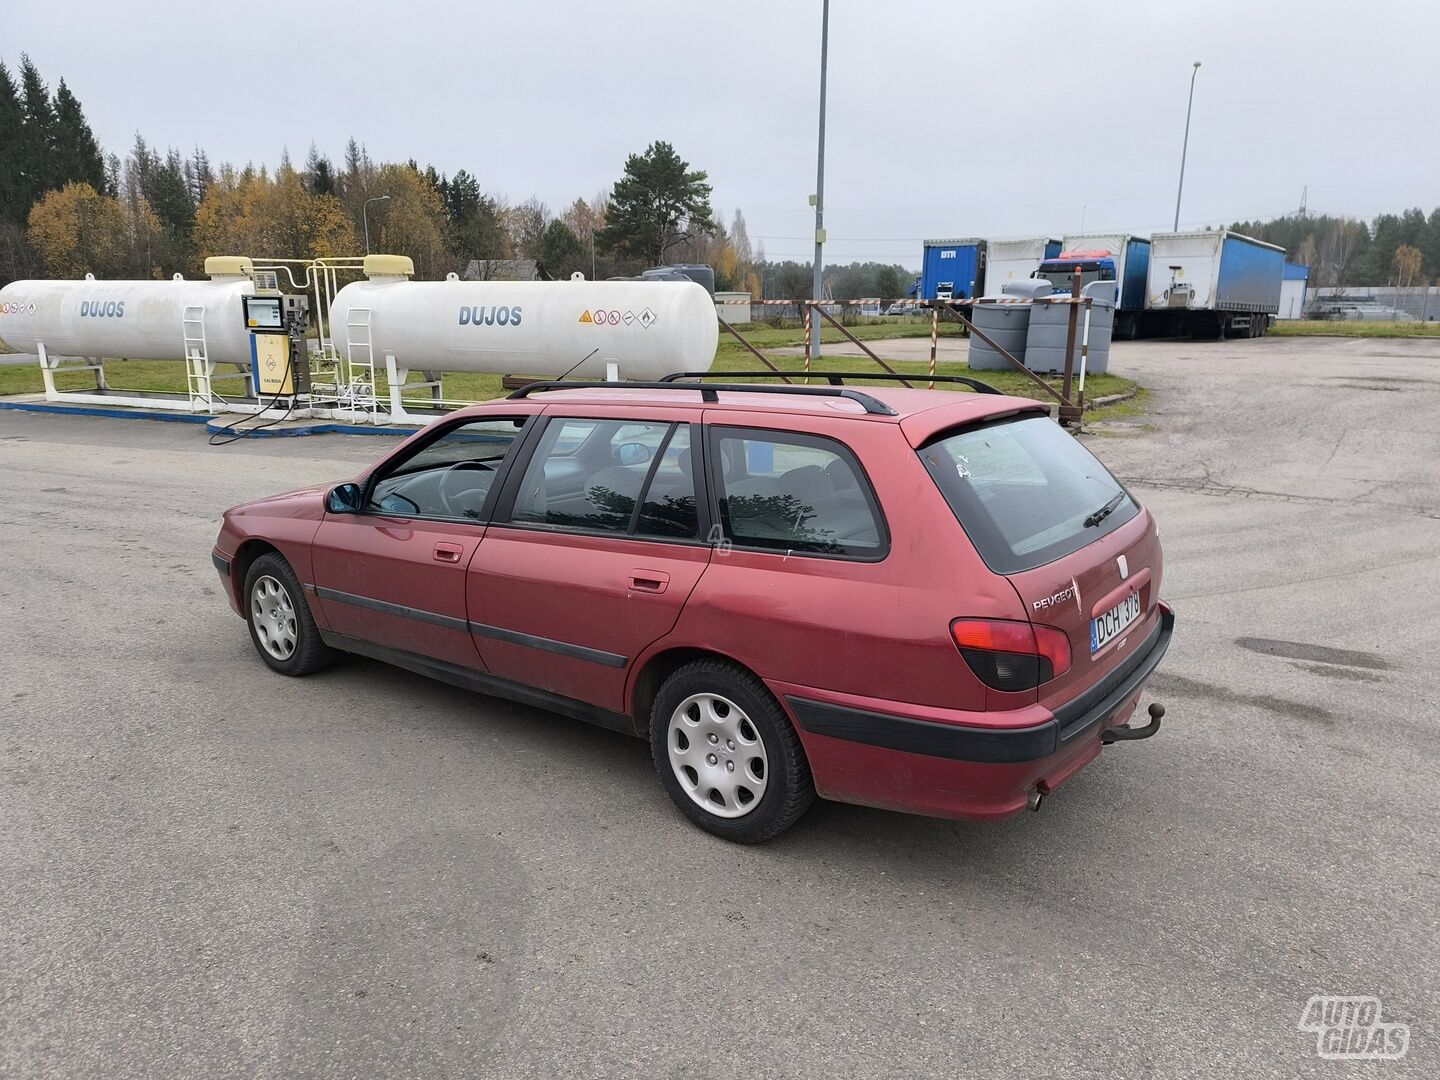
x: 879, y: 629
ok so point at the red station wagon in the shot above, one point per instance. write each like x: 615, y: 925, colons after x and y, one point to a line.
x: 932, y: 602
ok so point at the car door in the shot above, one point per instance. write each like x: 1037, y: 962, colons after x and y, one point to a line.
x: 393, y: 573
x: 594, y: 549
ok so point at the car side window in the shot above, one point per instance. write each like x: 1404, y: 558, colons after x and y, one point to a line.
x: 781, y: 491
x: 589, y: 474
x: 669, y: 508
x: 451, y: 476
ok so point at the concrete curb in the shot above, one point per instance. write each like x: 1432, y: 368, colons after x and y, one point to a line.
x: 215, y: 427
x: 1110, y: 399
x: 109, y: 414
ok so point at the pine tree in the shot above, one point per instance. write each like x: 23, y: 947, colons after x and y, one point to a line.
x: 77, y: 154
x: 36, y: 141
x: 137, y: 168
x: 169, y: 196
x: 13, y: 202
x: 201, y: 175
x: 658, y: 203
x: 319, y: 173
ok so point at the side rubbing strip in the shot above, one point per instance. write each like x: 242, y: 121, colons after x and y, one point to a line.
x: 561, y: 648
x: 514, y: 637
x: 418, y: 614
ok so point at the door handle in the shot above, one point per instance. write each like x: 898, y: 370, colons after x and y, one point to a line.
x: 649, y: 580
x: 448, y: 552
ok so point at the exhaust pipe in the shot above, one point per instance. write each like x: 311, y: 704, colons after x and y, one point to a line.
x: 1032, y: 799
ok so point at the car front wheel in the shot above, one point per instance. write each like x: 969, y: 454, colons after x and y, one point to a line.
x: 281, y: 626
x: 726, y: 753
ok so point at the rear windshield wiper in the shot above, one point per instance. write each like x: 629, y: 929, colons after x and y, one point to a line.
x: 1104, y: 511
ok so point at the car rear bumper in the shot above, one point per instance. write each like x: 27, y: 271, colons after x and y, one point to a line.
x: 947, y: 763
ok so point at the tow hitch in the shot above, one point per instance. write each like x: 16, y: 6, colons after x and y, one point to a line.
x: 1123, y: 734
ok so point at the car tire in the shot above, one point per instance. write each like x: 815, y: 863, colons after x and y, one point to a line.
x: 281, y: 627
x: 716, y: 734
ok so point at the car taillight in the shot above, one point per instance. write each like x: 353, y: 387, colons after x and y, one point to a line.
x: 1011, y: 656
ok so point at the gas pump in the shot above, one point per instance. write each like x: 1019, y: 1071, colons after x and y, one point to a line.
x: 277, y: 323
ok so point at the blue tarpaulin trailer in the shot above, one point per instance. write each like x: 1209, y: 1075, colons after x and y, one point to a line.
x: 1213, y: 284
x: 953, y: 269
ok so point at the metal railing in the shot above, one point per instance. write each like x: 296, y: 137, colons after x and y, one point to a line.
x: 1069, y: 397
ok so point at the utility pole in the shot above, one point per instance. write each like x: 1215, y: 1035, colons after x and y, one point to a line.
x: 1185, y: 146
x: 819, y: 197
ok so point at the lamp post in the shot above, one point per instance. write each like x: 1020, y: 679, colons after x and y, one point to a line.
x: 1185, y: 146
x: 820, y: 171
x: 365, y: 217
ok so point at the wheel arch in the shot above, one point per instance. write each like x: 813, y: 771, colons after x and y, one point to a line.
x: 652, y: 673
x: 245, y: 557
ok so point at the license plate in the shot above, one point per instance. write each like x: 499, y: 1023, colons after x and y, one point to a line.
x: 1107, y: 627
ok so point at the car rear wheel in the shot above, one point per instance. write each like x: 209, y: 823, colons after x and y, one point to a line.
x: 726, y: 753
x: 281, y: 626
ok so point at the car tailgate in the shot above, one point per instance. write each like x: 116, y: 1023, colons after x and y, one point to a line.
x: 1114, y: 579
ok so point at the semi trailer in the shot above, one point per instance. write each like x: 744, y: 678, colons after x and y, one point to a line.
x: 1213, y: 284
x: 953, y: 269
x: 1015, y: 260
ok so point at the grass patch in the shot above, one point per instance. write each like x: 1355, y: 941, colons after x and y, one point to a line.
x: 163, y: 375
x: 1353, y: 328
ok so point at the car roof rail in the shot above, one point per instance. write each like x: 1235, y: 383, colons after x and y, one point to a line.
x: 709, y: 393
x: 836, y: 378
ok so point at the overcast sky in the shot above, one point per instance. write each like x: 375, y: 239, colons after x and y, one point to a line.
x: 945, y: 119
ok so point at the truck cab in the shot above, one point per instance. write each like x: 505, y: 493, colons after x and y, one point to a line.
x: 1059, y: 271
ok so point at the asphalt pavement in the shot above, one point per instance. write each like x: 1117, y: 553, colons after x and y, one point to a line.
x: 207, y: 870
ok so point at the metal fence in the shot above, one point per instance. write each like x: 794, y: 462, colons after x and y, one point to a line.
x: 1375, y: 302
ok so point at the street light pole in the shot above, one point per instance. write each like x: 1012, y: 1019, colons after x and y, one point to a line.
x: 365, y: 217
x: 820, y: 171
x: 1185, y: 146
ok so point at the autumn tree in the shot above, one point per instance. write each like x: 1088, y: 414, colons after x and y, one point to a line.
x: 247, y: 213
x: 526, y: 225
x: 585, y: 219
x: 1406, y: 266
x: 412, y: 222
x: 658, y: 203
x: 76, y: 231
x: 747, y: 276
x: 713, y: 249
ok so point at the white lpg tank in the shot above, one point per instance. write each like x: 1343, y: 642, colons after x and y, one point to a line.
x: 540, y: 328
x: 131, y: 320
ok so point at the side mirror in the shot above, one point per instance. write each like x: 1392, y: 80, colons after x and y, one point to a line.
x: 344, y: 499
x: 633, y: 453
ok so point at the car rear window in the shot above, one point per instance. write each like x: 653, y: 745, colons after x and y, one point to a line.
x: 1023, y: 490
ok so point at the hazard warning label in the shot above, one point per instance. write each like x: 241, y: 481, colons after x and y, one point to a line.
x: 585, y: 316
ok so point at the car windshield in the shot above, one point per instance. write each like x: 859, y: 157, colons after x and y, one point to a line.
x: 1026, y: 492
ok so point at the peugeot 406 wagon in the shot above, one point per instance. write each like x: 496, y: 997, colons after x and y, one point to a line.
x: 932, y: 602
